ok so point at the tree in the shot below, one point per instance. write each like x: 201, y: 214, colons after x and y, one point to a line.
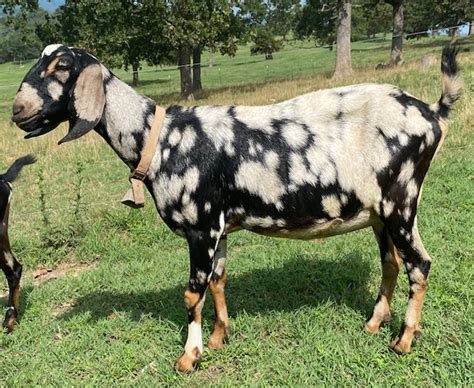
x: 343, y: 45
x: 264, y: 20
x: 423, y: 15
x: 283, y: 16
x: 265, y: 43
x: 318, y: 21
x: 18, y: 39
x: 396, y: 57
x: 129, y: 32
x: 17, y: 10
x: 452, y: 13
x: 326, y: 21
x: 420, y: 16
x: 369, y: 19
x: 122, y: 32
x: 193, y: 25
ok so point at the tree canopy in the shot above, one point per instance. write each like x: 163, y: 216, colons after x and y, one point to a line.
x: 127, y: 33
x: 18, y: 38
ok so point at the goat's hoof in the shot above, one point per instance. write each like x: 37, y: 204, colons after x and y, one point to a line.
x: 9, y: 323
x: 216, y: 342
x: 400, y: 347
x: 371, y: 328
x: 185, y: 362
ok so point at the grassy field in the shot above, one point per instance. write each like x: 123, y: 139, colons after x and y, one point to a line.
x: 112, y: 311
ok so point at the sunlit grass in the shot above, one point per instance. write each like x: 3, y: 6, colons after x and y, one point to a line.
x: 297, y: 308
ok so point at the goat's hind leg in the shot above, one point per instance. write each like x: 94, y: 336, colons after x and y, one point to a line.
x: 390, y: 268
x: 417, y: 263
x: 217, y: 285
x: 12, y: 270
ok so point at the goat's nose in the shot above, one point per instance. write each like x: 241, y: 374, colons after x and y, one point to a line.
x: 17, y: 108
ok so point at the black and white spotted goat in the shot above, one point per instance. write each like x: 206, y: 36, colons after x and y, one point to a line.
x: 317, y: 165
x: 10, y: 266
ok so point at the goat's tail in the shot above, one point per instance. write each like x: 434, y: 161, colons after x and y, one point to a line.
x: 15, y: 169
x: 452, y: 83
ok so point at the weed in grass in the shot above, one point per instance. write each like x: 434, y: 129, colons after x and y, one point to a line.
x: 42, y: 200
x: 62, y: 235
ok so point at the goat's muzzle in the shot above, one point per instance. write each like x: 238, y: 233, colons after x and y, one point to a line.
x: 16, y: 110
x: 23, y: 121
x: 33, y: 125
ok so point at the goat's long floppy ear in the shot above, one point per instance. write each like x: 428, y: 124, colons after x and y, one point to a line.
x: 86, y: 103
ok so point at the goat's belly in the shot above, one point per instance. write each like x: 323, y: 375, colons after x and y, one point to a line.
x: 333, y: 227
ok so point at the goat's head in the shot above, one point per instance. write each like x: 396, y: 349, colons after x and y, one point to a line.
x: 65, y: 84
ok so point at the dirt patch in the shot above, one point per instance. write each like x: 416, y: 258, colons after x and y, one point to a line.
x: 42, y: 275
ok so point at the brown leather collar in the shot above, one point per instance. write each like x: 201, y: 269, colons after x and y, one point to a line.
x: 135, y: 197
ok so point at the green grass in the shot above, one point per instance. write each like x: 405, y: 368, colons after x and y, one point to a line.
x: 297, y: 308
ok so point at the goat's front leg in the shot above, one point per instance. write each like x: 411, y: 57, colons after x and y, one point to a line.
x: 217, y: 285
x: 201, y: 252
x: 12, y: 270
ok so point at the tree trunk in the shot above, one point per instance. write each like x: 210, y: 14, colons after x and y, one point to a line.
x: 269, y: 54
x: 197, y: 85
x: 135, y: 74
x: 185, y: 72
x: 396, y: 57
x: 470, y: 29
x: 453, y: 34
x: 343, y: 40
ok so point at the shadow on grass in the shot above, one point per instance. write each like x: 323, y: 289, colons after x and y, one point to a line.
x: 251, y: 62
x: 298, y: 282
x: 146, y: 82
x: 413, y: 44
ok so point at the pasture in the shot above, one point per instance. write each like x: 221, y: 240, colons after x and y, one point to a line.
x: 103, y: 285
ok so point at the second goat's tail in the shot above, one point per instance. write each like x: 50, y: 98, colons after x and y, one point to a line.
x: 15, y: 169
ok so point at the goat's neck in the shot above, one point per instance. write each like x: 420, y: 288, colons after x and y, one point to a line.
x: 126, y: 120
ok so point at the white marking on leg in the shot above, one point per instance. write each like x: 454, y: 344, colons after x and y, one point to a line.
x: 221, y: 222
x: 211, y: 252
x: 194, y: 339
x: 214, y: 234
x: 9, y: 258
x: 201, y: 277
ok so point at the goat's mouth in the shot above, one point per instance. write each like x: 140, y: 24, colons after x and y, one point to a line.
x: 27, y: 123
x: 35, y: 126
x: 39, y: 131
